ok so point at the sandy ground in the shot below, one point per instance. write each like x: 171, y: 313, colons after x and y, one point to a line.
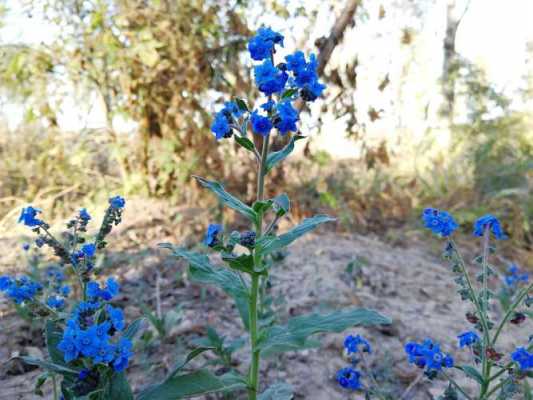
x: 407, y: 282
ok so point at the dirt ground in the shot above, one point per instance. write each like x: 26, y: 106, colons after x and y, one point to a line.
x: 405, y: 280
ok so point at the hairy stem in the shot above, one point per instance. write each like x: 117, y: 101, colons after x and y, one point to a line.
x: 486, y: 341
x: 254, y: 290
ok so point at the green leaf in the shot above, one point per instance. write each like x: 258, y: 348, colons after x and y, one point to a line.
x: 277, y: 391
x: 269, y: 244
x: 133, y: 328
x: 49, y: 366
x: 118, y: 388
x: 471, y: 372
x: 294, y: 335
x: 241, y: 104
x: 201, y: 270
x: 194, y: 384
x: 277, y: 156
x: 192, y: 355
x: 282, y: 204
x: 228, y: 199
x: 244, y: 262
x: 157, y: 323
x: 245, y: 142
x: 289, y: 93
x: 260, y: 207
x: 53, y: 335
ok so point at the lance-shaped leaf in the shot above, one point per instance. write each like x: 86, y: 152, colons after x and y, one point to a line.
x: 277, y: 156
x: 270, y: 244
x: 133, y: 328
x: 228, y: 199
x: 118, y: 388
x: 49, y: 366
x: 244, y: 262
x: 295, y: 334
x: 472, y: 373
x: 53, y: 335
x: 277, y: 391
x: 245, y: 142
x: 201, y: 270
x: 194, y: 384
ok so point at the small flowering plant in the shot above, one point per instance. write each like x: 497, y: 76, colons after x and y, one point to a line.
x: 498, y: 376
x: 282, y: 83
x: 88, y: 343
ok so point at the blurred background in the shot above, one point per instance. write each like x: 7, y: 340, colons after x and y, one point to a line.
x: 428, y: 103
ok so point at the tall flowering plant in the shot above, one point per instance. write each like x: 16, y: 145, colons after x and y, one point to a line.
x: 89, y: 344
x: 281, y: 83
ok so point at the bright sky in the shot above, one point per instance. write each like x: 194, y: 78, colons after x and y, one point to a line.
x: 494, y: 34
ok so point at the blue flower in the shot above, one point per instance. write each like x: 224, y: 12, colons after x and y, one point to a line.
x: 124, y: 353
x: 261, y: 46
x: 286, y: 118
x: 211, y: 236
x: 103, y: 352
x: 352, y: 343
x: 523, y: 358
x: 439, y: 222
x: 116, y: 316
x: 87, y: 342
x: 428, y: 355
x: 28, y: 217
x: 55, y: 302
x: 260, y: 124
x: 295, y: 61
x: 39, y: 242
x: 467, y: 339
x: 349, y: 378
x: 268, y: 105
x: 64, y: 290
x: 117, y: 202
x: 84, y: 215
x: 312, y: 91
x: 270, y: 79
x: 26, y: 246
x: 514, y: 276
x: 489, y: 222
x: 102, y: 330
x: 92, y: 290
x: 5, y: 282
x: 88, y: 250
x: 84, y: 373
x: 231, y: 108
x: 68, y: 347
x: 220, y: 126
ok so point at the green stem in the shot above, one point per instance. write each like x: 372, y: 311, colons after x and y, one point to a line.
x: 254, y: 290
x: 510, y: 311
x: 456, y: 385
x: 54, y: 383
x: 486, y: 341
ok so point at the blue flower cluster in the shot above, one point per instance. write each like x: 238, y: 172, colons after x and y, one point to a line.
x: 523, y: 358
x: 20, y: 290
x: 295, y: 78
x: 467, y: 339
x: 428, y: 355
x: 515, y: 276
x: 92, y: 330
x: 439, y: 222
x: 117, y: 202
